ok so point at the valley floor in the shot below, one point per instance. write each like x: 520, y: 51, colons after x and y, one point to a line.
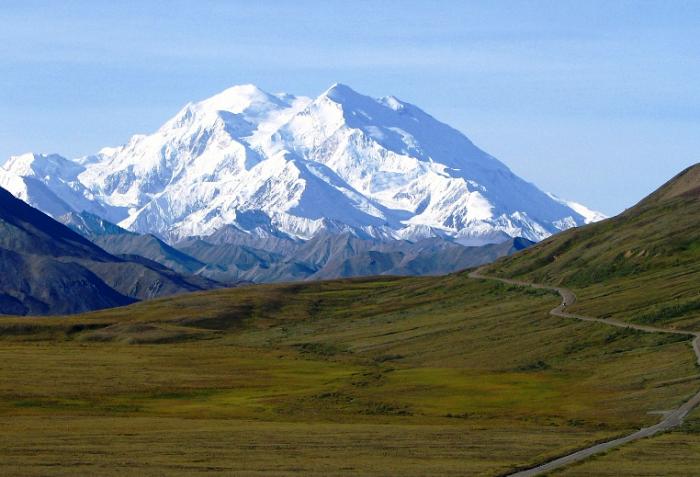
x: 674, y: 454
x: 411, y: 376
x: 69, y: 445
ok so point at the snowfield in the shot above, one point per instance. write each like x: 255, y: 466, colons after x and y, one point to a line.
x: 295, y: 166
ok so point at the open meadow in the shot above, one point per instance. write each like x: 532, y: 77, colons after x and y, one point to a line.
x: 446, y: 375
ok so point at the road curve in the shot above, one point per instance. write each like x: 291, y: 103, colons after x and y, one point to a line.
x: 671, y: 419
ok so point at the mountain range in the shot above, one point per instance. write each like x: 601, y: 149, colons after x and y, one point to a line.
x: 229, y: 256
x: 277, y: 165
x: 48, y: 268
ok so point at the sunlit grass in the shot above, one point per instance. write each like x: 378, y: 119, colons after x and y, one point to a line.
x: 471, y: 376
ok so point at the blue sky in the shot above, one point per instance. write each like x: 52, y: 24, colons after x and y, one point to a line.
x: 597, y: 102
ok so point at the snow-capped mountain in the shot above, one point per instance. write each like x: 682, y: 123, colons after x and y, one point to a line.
x: 282, y: 165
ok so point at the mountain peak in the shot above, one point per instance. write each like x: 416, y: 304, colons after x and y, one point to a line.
x: 344, y: 94
x: 33, y: 164
x: 239, y: 98
x: 340, y: 93
x: 376, y: 167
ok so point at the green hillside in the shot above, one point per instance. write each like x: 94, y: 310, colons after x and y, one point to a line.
x: 642, y: 266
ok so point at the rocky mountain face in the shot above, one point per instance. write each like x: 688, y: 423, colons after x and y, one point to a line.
x: 280, y: 167
x: 47, y: 268
x: 230, y: 256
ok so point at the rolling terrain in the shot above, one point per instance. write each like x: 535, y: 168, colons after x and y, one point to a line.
x: 415, y: 375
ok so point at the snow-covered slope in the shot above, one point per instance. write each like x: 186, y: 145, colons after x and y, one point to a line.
x: 293, y: 166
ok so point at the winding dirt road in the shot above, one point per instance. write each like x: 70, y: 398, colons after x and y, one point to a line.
x: 671, y: 419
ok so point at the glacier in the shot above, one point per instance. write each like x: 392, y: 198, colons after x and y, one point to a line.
x: 278, y: 164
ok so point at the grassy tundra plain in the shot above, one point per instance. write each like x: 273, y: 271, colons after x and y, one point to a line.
x: 673, y: 454
x: 415, y: 376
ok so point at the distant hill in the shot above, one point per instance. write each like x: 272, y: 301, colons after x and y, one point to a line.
x: 47, y: 268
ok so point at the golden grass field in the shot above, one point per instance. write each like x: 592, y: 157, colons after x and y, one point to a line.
x: 673, y: 454
x: 410, y: 376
